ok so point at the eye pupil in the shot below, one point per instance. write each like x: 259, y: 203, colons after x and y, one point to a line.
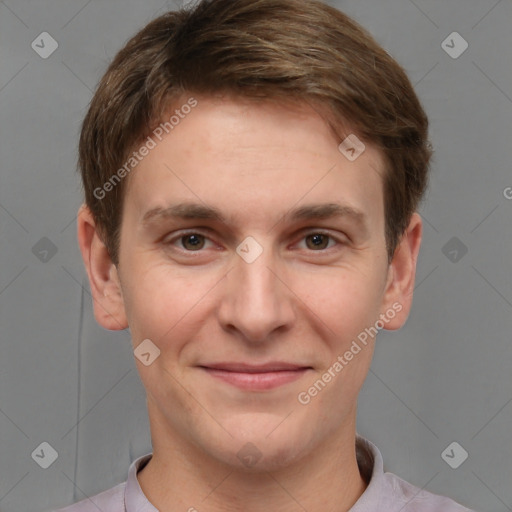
x: 318, y: 240
x: 194, y: 241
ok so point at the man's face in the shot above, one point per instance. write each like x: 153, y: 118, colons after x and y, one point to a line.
x: 244, y: 335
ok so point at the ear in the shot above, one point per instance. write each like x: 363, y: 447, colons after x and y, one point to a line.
x: 401, y: 275
x: 106, y: 292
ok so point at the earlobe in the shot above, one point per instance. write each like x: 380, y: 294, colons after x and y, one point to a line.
x: 402, y: 272
x: 104, y: 281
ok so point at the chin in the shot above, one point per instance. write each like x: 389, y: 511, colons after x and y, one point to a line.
x: 258, y: 457
x: 259, y: 446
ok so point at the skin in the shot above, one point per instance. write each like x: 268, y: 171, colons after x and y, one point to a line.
x: 297, y: 303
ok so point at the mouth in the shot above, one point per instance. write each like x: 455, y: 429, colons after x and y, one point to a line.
x: 256, y: 377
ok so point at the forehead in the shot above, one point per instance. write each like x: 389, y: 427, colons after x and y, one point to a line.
x: 251, y: 160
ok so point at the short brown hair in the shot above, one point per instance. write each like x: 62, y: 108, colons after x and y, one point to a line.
x: 279, y: 50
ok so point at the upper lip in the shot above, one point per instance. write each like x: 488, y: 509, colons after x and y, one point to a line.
x: 254, y: 368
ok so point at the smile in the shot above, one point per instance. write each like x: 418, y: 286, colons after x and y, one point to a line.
x: 258, y: 378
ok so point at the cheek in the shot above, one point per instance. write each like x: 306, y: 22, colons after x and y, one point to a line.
x: 348, y: 309
x: 164, y: 305
x: 344, y: 300
x: 149, y: 303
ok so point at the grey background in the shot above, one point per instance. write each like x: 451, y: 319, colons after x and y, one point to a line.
x: 444, y: 377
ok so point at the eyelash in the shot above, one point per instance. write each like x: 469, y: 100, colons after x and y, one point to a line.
x: 184, y: 234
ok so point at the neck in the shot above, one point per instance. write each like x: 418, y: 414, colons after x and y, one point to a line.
x: 179, y: 477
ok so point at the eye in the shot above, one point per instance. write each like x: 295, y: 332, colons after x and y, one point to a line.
x: 319, y: 241
x: 190, y: 242
x: 194, y: 241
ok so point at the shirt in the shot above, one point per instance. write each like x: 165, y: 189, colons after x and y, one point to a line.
x: 386, y: 492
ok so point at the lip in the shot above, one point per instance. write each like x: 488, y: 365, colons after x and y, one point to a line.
x: 273, y: 366
x: 256, y: 377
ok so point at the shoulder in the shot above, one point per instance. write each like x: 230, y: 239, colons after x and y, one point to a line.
x: 111, y: 500
x: 387, y: 491
x: 409, y: 498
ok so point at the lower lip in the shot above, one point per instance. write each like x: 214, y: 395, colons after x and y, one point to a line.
x: 257, y: 381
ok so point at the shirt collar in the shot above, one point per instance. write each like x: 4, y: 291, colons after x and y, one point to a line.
x: 371, y: 467
x: 369, y: 460
x: 134, y: 499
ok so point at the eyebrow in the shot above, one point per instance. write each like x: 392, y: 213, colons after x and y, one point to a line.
x: 196, y: 211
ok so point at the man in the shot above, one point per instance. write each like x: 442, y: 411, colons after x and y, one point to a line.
x: 252, y: 171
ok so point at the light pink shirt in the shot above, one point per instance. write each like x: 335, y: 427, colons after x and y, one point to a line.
x: 386, y: 492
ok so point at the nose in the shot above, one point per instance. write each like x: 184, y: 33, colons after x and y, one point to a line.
x: 257, y: 303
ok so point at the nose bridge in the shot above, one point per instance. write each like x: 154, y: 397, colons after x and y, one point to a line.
x: 253, y: 271
x: 256, y: 281
x: 256, y: 302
